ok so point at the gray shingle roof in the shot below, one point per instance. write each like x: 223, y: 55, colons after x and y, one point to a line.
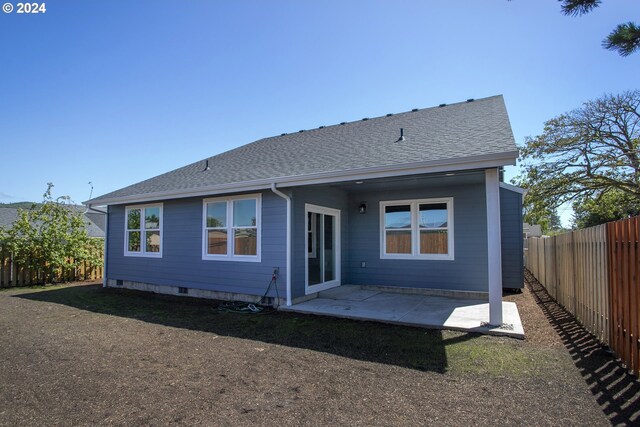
x: 94, y: 222
x: 455, y: 131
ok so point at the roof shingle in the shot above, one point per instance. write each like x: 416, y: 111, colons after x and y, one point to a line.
x: 455, y: 131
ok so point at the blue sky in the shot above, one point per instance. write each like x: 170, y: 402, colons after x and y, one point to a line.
x: 115, y: 92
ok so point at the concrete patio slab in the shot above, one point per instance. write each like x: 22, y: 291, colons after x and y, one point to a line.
x: 460, y: 314
x: 349, y: 293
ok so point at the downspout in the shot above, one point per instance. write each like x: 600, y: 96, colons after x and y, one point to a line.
x: 288, y: 199
x: 106, y: 237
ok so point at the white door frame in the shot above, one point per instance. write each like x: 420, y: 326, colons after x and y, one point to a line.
x: 310, y: 289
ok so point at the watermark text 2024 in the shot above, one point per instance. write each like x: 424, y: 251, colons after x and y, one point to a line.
x: 31, y: 8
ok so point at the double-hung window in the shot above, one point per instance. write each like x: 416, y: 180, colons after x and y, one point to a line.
x: 231, y: 228
x: 417, y: 229
x: 143, y: 231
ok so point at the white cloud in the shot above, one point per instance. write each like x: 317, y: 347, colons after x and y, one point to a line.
x: 6, y: 196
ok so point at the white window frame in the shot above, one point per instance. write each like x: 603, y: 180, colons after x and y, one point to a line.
x: 230, y: 256
x: 143, y: 252
x: 415, y: 230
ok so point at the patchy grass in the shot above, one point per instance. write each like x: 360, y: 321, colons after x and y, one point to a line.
x: 502, y: 357
x: 36, y: 288
x: 84, y: 355
x: 416, y: 348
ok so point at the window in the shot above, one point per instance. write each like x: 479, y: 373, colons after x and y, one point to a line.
x: 143, y: 231
x: 232, y: 228
x: 311, y: 235
x: 417, y: 229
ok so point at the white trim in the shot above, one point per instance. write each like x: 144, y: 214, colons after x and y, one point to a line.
x: 106, y: 247
x: 435, y: 166
x: 143, y: 253
x: 415, y: 230
x: 230, y: 256
x: 513, y: 188
x: 310, y: 289
x: 494, y: 250
x: 288, y: 261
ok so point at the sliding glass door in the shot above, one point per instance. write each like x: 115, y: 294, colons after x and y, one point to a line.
x: 322, y: 264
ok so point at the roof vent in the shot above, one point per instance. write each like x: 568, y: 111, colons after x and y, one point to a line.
x: 321, y: 127
x: 365, y: 119
x: 390, y: 114
x: 206, y: 165
x: 301, y: 130
x: 415, y: 109
x: 343, y: 123
x: 442, y: 105
x: 402, y: 138
x: 470, y: 100
x: 282, y: 134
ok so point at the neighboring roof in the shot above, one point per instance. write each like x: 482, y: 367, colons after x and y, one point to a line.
x: 8, y: 216
x: 476, y: 133
x: 94, y: 223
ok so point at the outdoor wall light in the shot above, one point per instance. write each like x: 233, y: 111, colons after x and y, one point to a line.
x: 363, y: 208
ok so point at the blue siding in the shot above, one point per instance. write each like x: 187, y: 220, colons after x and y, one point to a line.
x: 512, y: 243
x: 467, y: 272
x: 329, y: 197
x: 182, y: 263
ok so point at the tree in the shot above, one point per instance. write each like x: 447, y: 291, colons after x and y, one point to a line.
x: 51, y: 236
x: 625, y: 38
x: 608, y: 206
x: 585, y: 154
x: 548, y: 219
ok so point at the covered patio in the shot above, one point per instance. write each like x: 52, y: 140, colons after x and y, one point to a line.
x: 411, y: 309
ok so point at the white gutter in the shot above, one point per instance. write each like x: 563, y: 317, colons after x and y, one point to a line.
x: 436, y: 166
x: 288, y: 199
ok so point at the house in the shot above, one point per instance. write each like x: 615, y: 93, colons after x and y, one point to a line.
x: 531, y: 230
x: 404, y: 201
x: 94, y: 219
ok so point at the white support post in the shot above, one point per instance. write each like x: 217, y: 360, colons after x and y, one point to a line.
x: 494, y: 246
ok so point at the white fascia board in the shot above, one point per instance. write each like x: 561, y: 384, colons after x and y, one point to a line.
x: 448, y: 165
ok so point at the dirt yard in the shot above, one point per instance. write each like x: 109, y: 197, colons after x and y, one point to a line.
x: 80, y: 355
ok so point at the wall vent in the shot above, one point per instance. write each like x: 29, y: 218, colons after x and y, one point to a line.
x: 182, y: 290
x: 119, y: 282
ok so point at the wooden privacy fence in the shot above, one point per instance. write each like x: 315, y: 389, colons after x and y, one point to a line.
x: 593, y: 273
x: 623, y: 279
x: 13, y: 274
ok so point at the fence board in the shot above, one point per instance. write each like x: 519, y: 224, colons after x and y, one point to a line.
x: 595, y: 274
x: 573, y: 268
x: 13, y: 274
